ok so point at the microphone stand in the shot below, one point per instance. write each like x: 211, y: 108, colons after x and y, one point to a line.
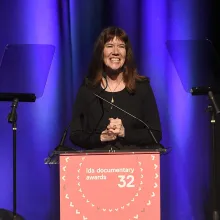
x: 214, y: 110
x: 147, y: 126
x: 12, y: 118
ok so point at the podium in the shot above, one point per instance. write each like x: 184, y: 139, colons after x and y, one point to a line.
x: 110, y: 185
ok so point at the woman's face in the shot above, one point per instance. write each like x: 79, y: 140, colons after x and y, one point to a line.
x: 114, y: 53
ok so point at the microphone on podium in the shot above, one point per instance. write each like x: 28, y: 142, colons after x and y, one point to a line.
x: 144, y: 123
x: 60, y: 147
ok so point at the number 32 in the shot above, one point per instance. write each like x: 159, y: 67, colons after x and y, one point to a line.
x: 123, y: 182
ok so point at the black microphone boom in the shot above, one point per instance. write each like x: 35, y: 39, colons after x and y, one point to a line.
x: 147, y: 126
x: 203, y: 90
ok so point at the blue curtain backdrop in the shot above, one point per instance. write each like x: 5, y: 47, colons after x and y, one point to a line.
x: 72, y: 26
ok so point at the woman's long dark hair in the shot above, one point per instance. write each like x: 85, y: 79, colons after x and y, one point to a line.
x: 96, y: 68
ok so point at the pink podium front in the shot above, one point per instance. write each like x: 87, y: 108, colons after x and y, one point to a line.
x: 110, y: 186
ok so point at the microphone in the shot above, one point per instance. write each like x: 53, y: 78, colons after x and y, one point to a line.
x: 60, y: 147
x: 12, y: 117
x: 147, y: 126
x: 211, y: 97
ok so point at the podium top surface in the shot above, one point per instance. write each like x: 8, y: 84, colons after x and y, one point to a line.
x: 112, y: 152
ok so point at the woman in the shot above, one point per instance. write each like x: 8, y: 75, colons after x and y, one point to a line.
x: 112, y: 75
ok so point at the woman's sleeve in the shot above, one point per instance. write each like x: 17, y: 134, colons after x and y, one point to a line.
x: 151, y: 118
x: 79, y: 133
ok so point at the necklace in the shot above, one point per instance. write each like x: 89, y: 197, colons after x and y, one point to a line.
x: 112, y: 100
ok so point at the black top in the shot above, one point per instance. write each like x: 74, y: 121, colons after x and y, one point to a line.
x: 91, y: 114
